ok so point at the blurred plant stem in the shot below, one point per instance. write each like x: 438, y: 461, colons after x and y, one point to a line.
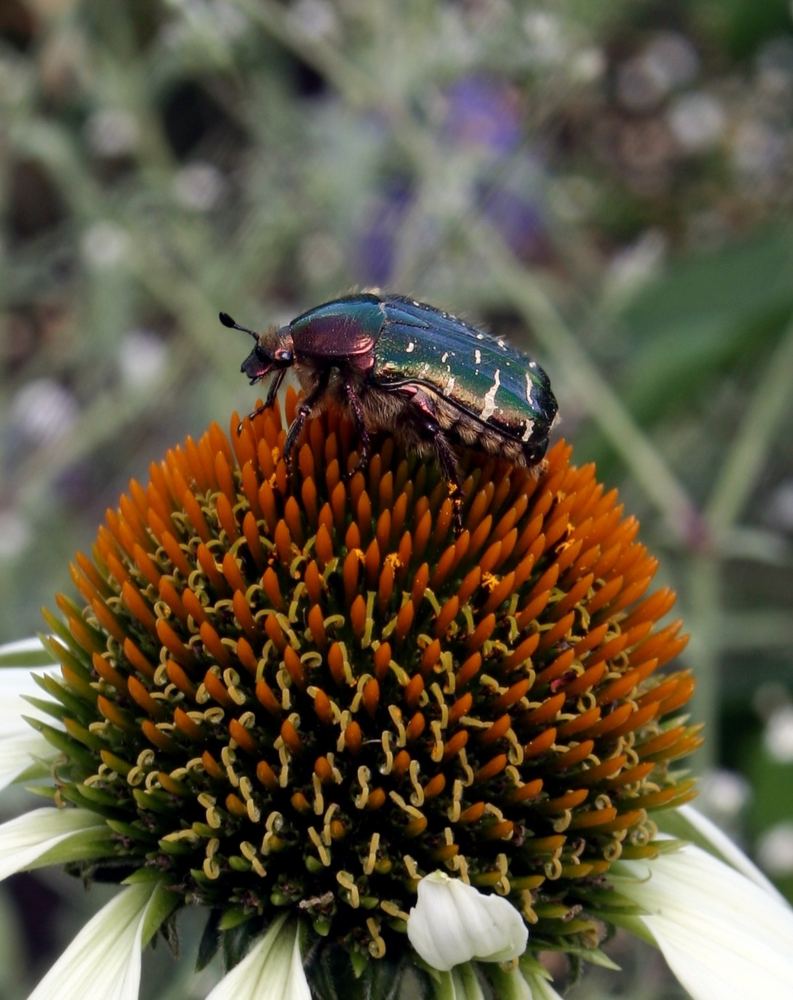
x: 762, y: 418
x: 575, y: 367
x: 707, y: 643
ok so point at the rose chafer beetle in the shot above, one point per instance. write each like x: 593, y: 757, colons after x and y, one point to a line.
x: 403, y: 366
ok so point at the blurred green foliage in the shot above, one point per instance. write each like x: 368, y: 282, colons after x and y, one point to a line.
x: 607, y: 184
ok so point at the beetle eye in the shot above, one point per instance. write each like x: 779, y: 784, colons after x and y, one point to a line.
x: 261, y: 354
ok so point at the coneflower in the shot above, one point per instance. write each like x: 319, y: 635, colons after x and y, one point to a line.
x: 296, y: 702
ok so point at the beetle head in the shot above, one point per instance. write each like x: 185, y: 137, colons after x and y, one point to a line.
x: 273, y: 349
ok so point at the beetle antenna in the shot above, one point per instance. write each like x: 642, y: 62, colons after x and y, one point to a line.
x: 226, y: 320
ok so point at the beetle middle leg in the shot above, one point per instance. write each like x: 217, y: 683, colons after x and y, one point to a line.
x: 356, y: 406
x: 424, y: 423
x: 303, y: 413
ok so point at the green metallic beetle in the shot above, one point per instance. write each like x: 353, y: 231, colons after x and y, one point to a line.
x: 405, y: 367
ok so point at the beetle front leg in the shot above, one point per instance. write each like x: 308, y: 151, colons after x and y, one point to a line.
x: 303, y: 413
x: 356, y: 406
x: 272, y: 392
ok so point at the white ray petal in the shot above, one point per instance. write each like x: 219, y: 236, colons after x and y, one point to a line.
x: 272, y: 969
x: 29, y: 840
x: 724, y: 936
x: 20, y: 745
x: 690, y: 824
x: 104, y: 959
x: 18, y: 751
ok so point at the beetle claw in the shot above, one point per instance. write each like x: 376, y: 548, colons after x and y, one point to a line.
x: 457, y: 510
x: 360, y: 465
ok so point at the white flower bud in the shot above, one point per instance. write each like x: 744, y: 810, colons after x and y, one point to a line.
x: 452, y: 923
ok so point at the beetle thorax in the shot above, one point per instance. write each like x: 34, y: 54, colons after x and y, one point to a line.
x: 276, y: 343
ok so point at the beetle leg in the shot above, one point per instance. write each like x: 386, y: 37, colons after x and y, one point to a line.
x: 275, y: 385
x: 448, y: 463
x: 303, y: 413
x: 272, y: 392
x: 363, y: 434
x: 430, y: 430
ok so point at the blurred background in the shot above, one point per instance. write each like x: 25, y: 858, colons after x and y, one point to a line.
x: 610, y: 186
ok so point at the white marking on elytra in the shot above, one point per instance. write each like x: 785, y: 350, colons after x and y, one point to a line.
x: 527, y: 433
x: 490, y: 397
x: 502, y: 345
x: 478, y: 356
x: 480, y: 336
x: 444, y: 356
x: 528, y: 388
x: 450, y: 385
x: 410, y: 348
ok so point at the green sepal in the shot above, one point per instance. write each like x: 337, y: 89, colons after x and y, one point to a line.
x: 118, y: 764
x: 176, y: 848
x: 232, y: 917
x: 59, y: 630
x: 336, y: 974
x: 142, y: 875
x: 595, y: 956
x: 76, y: 753
x: 634, y: 925
x: 82, y: 845
x: 237, y: 941
x: 321, y: 925
x: 42, y: 791
x: 38, y: 769
x: 467, y: 978
x: 74, y: 704
x: 96, y: 796
x: 72, y: 793
x: 200, y: 878
x: 90, y: 846
x: 83, y: 735
x: 68, y: 650
x: 567, y: 928
x: 54, y: 709
x: 359, y: 961
x: 606, y: 901
x: 506, y: 984
x: 669, y: 845
x: 30, y: 658
x: 152, y: 801
x: 210, y: 940
x: 130, y: 831
x: 203, y: 830
x: 552, y: 911
x: 238, y: 863
x: 161, y: 905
